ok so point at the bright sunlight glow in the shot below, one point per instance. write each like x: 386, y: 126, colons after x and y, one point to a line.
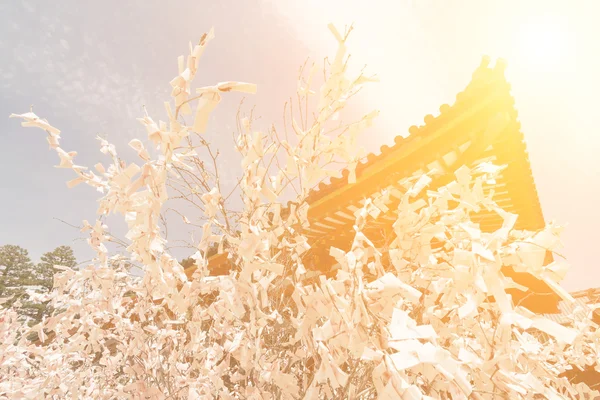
x: 544, y: 43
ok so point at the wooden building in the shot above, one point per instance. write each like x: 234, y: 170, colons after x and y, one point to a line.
x: 481, y: 125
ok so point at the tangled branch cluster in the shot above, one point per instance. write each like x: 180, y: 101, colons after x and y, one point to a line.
x: 431, y: 320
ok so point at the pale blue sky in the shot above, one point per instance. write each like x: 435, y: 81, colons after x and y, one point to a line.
x: 88, y: 67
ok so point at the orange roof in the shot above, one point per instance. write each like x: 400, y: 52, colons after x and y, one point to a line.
x: 459, y: 135
x: 454, y: 137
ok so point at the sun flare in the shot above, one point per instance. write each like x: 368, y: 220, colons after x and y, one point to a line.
x: 544, y: 43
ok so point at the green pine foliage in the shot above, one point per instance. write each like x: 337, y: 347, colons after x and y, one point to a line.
x: 62, y: 255
x: 18, y: 275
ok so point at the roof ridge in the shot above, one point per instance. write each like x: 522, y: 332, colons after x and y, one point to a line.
x: 483, y: 76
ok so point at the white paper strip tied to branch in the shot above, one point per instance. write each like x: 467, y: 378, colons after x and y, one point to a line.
x: 403, y: 327
x: 389, y: 286
x: 267, y: 266
x: 138, y: 146
x: 66, y: 159
x: 32, y: 120
x: 210, y: 97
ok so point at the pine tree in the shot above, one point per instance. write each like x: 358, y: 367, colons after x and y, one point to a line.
x: 62, y: 255
x: 17, y: 272
x: 19, y: 275
x: 45, y: 270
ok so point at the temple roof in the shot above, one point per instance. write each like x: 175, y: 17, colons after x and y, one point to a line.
x: 481, y: 125
x: 454, y: 137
